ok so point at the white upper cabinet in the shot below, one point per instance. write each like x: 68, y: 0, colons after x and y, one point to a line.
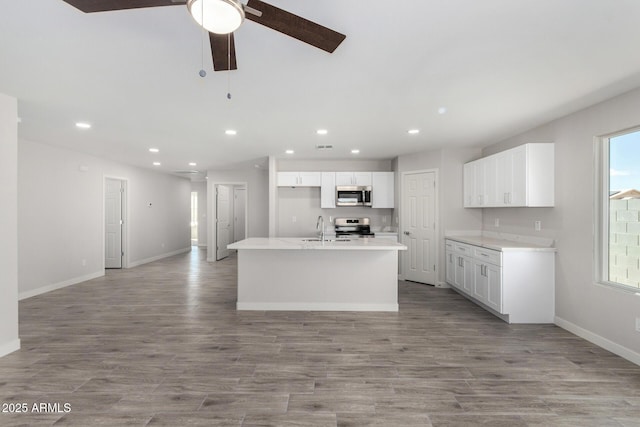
x: 383, y: 184
x: 519, y: 177
x: 328, y: 190
x: 353, y: 178
x: 299, y: 179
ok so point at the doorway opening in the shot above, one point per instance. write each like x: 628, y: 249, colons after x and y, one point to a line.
x: 229, y: 212
x: 115, y: 225
x: 194, y: 218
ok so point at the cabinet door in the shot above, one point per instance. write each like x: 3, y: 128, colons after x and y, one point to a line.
x: 362, y: 178
x: 467, y: 266
x: 288, y: 179
x: 450, y: 268
x: 511, y: 172
x: 382, y: 185
x: 480, y: 282
x: 328, y: 190
x: 493, y: 276
x: 345, y: 178
x: 491, y: 196
x: 463, y: 273
x: 310, y: 179
x: 518, y: 190
x: 480, y: 176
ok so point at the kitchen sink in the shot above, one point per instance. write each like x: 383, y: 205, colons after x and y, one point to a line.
x: 326, y: 240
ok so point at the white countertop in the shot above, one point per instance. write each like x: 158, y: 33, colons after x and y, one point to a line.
x: 296, y: 243
x: 502, y: 245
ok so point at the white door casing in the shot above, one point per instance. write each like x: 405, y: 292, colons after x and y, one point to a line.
x: 223, y: 221
x: 419, y: 226
x: 239, y: 214
x: 113, y: 223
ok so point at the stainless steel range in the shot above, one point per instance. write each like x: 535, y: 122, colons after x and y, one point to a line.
x: 353, y: 227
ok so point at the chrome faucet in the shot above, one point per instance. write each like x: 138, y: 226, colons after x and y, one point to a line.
x: 321, y: 232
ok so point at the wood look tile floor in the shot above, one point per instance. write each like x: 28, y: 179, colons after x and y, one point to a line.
x: 162, y: 345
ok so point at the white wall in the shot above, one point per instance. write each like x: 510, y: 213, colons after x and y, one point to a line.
x: 303, y: 203
x: 61, y: 214
x: 9, y: 340
x: 452, y: 216
x: 602, y: 314
x: 201, y: 189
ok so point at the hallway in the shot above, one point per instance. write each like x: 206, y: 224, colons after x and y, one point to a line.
x: 162, y: 345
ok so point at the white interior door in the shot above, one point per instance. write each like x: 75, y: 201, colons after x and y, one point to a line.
x: 113, y: 223
x: 419, y: 227
x: 239, y: 214
x: 223, y: 220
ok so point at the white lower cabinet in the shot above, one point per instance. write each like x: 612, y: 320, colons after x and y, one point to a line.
x: 517, y: 285
x: 462, y: 267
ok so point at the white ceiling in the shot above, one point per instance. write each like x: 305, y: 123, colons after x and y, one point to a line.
x: 499, y: 67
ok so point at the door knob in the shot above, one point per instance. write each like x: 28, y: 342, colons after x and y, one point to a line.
x: 406, y: 233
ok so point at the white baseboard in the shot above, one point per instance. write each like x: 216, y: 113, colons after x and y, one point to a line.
x: 59, y: 285
x: 596, y: 339
x: 9, y: 347
x: 287, y: 306
x: 158, y: 257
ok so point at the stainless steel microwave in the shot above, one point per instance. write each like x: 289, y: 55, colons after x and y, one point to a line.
x: 352, y: 195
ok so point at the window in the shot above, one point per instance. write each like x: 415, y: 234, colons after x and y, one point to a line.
x: 619, y: 210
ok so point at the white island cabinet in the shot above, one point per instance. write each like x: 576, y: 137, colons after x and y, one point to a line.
x: 303, y: 274
x: 514, y: 280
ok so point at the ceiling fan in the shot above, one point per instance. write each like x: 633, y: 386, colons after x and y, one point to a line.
x: 222, y: 17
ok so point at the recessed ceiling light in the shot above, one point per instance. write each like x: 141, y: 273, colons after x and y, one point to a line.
x: 289, y: 151
x: 413, y: 131
x: 322, y: 131
x: 157, y: 163
x: 83, y: 125
x: 355, y: 151
x: 192, y: 164
x: 230, y: 132
x: 442, y: 110
x: 154, y: 150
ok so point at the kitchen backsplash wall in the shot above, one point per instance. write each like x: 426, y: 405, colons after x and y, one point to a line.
x: 299, y: 208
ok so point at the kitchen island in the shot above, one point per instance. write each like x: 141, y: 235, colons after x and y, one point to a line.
x: 358, y: 274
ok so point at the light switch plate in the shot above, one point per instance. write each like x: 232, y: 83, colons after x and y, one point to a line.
x: 537, y: 225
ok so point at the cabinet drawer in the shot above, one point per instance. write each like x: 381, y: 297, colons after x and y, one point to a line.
x: 488, y: 255
x: 463, y: 249
x: 448, y: 245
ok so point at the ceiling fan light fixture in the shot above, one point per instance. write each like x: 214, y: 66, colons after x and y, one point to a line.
x: 217, y: 16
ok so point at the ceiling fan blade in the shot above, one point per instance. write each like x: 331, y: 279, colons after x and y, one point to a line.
x: 220, y: 44
x: 89, y: 6
x: 295, y: 26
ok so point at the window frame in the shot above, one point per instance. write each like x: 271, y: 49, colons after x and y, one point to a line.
x: 602, y: 211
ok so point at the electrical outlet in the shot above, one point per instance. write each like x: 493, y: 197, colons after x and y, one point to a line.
x: 637, y: 324
x: 496, y: 222
x: 537, y: 225
x: 384, y: 219
x: 294, y: 219
x: 84, y: 262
